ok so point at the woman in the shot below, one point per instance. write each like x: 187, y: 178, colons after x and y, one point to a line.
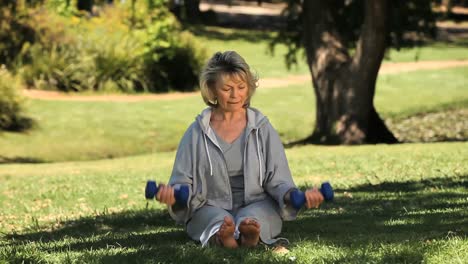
x: 234, y: 163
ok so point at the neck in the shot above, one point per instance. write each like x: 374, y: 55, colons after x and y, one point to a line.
x: 228, y: 116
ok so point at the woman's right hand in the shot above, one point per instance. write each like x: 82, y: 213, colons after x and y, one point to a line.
x: 166, y: 195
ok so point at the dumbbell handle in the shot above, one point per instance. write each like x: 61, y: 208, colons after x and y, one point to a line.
x: 298, y: 198
x: 181, y: 195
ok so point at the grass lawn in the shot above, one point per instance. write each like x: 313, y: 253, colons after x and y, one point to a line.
x: 253, y: 46
x: 403, y: 204
x: 96, y: 130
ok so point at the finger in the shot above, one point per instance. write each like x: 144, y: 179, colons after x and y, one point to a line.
x: 169, y: 195
x: 314, y: 198
x: 309, y: 199
x: 158, y: 194
x: 321, y: 198
x: 313, y: 201
x: 318, y: 197
x: 172, y: 199
x: 163, y: 194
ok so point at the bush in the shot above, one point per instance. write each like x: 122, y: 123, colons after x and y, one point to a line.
x: 171, y: 60
x: 13, y: 34
x: 181, y: 66
x: 11, y: 117
x: 76, y: 55
x: 90, y: 64
x: 117, y: 51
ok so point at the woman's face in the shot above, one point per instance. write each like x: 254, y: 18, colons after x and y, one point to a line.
x: 231, y: 93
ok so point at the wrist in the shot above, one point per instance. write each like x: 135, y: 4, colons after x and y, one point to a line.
x: 287, y: 195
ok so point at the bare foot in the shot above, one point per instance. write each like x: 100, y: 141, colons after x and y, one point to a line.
x: 225, y: 234
x: 250, y: 232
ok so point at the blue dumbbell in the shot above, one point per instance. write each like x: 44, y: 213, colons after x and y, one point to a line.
x: 181, y: 195
x: 298, y: 198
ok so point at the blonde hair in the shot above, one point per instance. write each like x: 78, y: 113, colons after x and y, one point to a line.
x: 228, y: 63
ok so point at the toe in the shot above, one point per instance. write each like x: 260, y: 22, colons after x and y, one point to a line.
x: 245, y: 221
x: 228, y: 221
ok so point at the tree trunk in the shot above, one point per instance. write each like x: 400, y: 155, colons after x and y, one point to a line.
x: 447, y: 4
x: 344, y: 85
x: 85, y: 5
x: 192, y: 10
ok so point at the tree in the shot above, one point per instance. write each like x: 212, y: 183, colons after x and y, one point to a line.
x: 192, y: 10
x: 186, y: 10
x: 344, y: 81
x: 447, y: 4
x: 86, y: 5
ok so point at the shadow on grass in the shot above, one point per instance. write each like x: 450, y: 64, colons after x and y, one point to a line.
x: 389, y: 212
x: 8, y: 160
x: 400, y: 213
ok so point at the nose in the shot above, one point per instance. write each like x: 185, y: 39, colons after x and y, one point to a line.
x: 234, y: 93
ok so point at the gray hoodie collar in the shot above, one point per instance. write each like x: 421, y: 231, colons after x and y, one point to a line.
x: 255, y: 119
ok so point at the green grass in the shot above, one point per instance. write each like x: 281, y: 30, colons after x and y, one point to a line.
x: 408, y: 205
x: 96, y: 130
x: 253, y: 46
x: 394, y: 203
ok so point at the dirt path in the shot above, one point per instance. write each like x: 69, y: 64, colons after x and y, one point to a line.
x: 387, y: 68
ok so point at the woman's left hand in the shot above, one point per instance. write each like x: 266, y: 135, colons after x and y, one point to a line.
x: 314, y: 198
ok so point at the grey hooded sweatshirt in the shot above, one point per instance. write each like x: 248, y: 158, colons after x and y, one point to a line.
x: 266, y: 170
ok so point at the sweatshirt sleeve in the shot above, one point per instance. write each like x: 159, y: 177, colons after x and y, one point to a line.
x: 182, y: 174
x: 278, y: 180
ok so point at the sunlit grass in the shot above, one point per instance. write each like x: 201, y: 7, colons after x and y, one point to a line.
x: 95, y: 130
x: 394, y: 204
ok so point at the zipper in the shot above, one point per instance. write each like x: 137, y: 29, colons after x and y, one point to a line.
x: 225, y: 165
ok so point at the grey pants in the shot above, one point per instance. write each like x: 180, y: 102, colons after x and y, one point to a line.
x: 265, y: 212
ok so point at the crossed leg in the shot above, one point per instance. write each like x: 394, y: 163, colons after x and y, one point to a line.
x: 259, y: 220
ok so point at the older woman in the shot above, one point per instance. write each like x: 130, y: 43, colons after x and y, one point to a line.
x: 234, y: 162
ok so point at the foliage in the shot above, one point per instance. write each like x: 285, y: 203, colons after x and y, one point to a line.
x: 90, y: 64
x: 171, y: 60
x: 63, y: 7
x: 11, y: 104
x: 13, y: 34
x: 410, y: 23
x: 177, y: 67
x: 117, y: 50
x: 253, y: 46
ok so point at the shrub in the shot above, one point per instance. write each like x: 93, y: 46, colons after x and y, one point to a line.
x: 13, y: 34
x: 119, y: 50
x: 181, y: 66
x: 95, y: 64
x: 173, y: 58
x: 81, y: 54
x: 11, y: 116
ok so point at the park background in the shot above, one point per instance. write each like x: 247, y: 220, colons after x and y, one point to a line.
x: 95, y: 96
